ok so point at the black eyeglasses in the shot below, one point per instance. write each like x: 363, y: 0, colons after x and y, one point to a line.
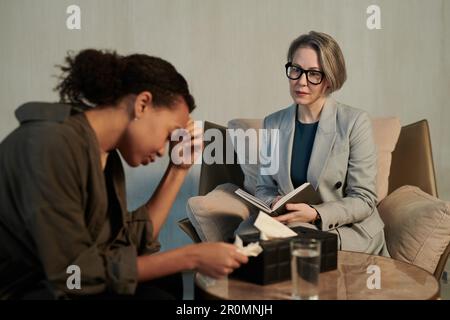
x: 294, y: 72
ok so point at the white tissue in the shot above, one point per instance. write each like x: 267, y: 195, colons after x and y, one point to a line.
x: 251, y: 250
x: 205, y: 280
x: 263, y: 236
x: 271, y: 228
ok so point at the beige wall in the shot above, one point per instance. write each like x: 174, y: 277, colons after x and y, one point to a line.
x: 232, y: 53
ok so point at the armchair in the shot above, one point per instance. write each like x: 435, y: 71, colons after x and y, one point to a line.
x: 412, y: 164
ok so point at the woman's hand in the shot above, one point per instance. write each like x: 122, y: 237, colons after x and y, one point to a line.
x: 183, y: 154
x: 298, y: 212
x: 217, y: 259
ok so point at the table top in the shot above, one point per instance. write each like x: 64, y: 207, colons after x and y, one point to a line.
x: 399, y: 280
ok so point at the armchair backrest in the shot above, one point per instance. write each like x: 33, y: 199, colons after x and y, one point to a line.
x: 212, y: 175
x: 412, y: 160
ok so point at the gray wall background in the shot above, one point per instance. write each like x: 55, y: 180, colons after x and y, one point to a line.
x: 232, y: 52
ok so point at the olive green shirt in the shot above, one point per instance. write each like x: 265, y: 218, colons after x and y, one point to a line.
x: 59, y: 208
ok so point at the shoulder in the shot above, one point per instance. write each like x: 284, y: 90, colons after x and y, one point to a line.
x: 59, y: 136
x: 276, y: 118
x: 349, y: 118
x: 46, y: 142
x: 348, y: 113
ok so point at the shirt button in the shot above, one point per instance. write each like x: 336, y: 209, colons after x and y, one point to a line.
x: 336, y: 225
x: 338, y: 185
x: 330, y: 226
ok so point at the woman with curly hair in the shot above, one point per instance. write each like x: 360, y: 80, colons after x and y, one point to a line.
x: 62, y: 185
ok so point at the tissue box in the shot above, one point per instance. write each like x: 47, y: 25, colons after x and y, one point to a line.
x: 274, y: 263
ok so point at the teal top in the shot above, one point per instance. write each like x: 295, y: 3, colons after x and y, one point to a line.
x: 304, y: 136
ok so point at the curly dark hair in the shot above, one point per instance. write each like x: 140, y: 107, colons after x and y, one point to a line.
x: 103, y: 77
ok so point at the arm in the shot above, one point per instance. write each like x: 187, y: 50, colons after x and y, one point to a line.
x: 360, y: 192
x: 160, y: 203
x: 158, y: 206
x: 212, y: 259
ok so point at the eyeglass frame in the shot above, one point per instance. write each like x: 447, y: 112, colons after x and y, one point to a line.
x: 302, y: 71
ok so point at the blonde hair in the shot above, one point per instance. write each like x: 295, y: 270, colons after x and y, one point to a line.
x: 330, y: 56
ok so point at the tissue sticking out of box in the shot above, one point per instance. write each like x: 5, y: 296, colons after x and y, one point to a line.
x: 251, y: 250
x: 271, y: 228
x: 262, y: 236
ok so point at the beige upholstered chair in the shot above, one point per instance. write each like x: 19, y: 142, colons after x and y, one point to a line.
x: 412, y: 160
x: 189, y: 229
x: 412, y: 164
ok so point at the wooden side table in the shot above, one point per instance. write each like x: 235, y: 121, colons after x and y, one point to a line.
x: 399, y: 281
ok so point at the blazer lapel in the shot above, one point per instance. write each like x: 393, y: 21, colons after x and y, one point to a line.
x: 323, y: 142
x: 287, y: 130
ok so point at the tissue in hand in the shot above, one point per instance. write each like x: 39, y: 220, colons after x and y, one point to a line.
x: 251, y: 250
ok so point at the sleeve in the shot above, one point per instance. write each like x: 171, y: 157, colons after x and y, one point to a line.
x: 58, y: 167
x: 140, y: 229
x: 360, y: 192
x: 266, y: 186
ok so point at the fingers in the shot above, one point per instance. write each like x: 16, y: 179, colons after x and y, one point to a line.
x: 223, y: 260
x: 194, y: 137
x: 236, y: 258
x: 192, y: 133
x: 220, y: 273
x: 241, y: 258
x: 190, y: 126
x: 190, y: 122
x: 195, y: 132
x: 287, y: 217
x: 216, y: 274
x: 227, y: 245
x: 228, y: 271
x: 294, y: 206
x: 233, y: 264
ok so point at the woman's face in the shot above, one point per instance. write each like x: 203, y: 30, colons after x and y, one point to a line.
x: 145, y: 137
x: 302, y: 91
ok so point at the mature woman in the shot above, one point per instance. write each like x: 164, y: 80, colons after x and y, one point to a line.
x: 62, y: 190
x: 328, y: 144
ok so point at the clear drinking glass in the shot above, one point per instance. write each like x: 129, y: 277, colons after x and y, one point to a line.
x: 305, y: 268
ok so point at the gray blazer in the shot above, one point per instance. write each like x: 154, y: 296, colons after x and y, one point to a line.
x: 342, y: 168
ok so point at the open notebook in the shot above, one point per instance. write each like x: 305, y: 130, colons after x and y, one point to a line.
x: 303, y: 194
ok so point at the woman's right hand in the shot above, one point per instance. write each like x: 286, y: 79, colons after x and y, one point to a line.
x: 217, y: 259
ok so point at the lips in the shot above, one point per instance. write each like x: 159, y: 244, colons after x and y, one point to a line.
x: 301, y: 93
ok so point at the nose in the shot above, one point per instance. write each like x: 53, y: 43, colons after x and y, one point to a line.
x: 302, y: 80
x: 161, y: 151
